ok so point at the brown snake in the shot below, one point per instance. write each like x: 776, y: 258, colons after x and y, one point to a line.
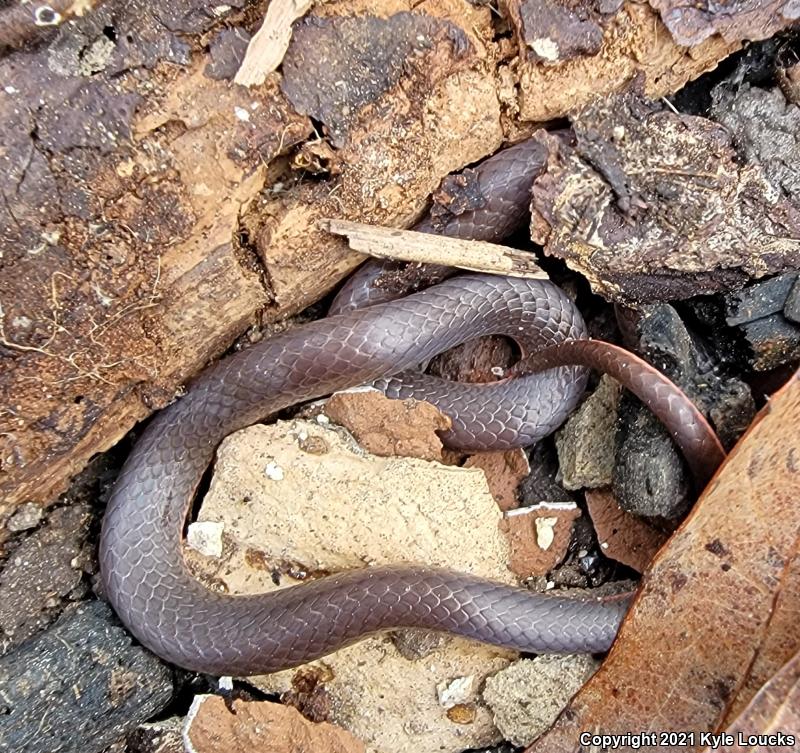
x: 141, y: 559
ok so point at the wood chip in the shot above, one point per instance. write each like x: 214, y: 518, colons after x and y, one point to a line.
x: 267, y: 48
x: 424, y: 248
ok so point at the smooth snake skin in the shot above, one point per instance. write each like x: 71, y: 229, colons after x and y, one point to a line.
x: 142, y: 566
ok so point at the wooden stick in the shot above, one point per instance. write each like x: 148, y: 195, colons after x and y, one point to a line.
x: 425, y: 248
x: 267, y: 48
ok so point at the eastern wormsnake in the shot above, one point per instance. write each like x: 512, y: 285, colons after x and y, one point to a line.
x: 141, y: 560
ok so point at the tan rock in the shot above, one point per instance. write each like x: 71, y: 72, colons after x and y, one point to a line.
x: 528, y: 696
x: 586, y: 442
x: 287, y: 509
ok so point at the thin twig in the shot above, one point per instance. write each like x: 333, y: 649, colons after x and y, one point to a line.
x: 425, y: 248
x: 269, y: 44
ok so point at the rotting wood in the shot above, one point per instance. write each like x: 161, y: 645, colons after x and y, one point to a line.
x: 146, y: 172
x: 21, y: 21
x: 424, y: 248
x: 650, y: 205
x: 635, y: 41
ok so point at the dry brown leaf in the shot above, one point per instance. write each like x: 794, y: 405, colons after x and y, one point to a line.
x: 781, y: 642
x: 706, y: 604
x: 261, y: 726
x: 773, y: 714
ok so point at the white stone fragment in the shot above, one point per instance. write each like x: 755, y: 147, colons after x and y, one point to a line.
x: 206, y: 537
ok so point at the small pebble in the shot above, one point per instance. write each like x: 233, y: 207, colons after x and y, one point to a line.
x: 27, y: 516
x: 206, y: 537
x: 456, y: 692
x: 544, y: 532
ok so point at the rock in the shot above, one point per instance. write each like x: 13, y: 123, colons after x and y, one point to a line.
x: 772, y: 341
x: 765, y: 129
x: 504, y: 470
x: 338, y: 509
x: 623, y: 537
x: 732, y: 410
x: 585, y: 443
x: 157, y: 737
x: 79, y: 686
x: 763, y: 315
x: 527, y: 697
x: 650, y: 477
x: 417, y: 644
x: 539, y: 536
x: 585, y: 566
x: 541, y: 485
x: 392, y: 703
x: 759, y: 300
x: 205, y: 536
x: 764, y: 334
x: 406, y: 428
x: 27, y: 516
x: 41, y: 573
x: 261, y: 726
x: 791, y: 309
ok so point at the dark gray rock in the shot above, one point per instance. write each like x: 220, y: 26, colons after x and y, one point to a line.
x: 759, y: 300
x: 79, y: 686
x: 765, y: 129
x: 541, y: 484
x: 791, y: 309
x: 772, y: 341
x: 46, y: 569
x: 650, y: 476
x: 157, y: 737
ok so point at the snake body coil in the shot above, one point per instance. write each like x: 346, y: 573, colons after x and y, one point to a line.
x: 141, y: 561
